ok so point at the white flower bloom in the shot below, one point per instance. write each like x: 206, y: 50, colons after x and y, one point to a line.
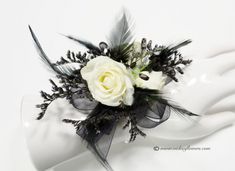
x: 108, y: 81
x: 155, y: 80
x: 139, y: 54
x: 137, y: 47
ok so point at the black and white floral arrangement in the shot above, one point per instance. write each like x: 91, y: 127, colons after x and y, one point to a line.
x: 115, y: 82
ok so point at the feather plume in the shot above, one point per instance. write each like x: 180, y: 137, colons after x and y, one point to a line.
x: 181, y: 44
x: 86, y: 44
x: 121, y: 32
x: 120, y: 39
x: 58, y: 69
x: 159, y: 96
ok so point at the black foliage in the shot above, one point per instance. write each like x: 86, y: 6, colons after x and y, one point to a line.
x: 57, y: 92
x: 166, y: 59
x: 72, y: 57
x: 68, y: 87
x: 134, y: 130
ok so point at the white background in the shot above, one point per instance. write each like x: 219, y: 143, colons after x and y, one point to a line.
x: 209, y: 23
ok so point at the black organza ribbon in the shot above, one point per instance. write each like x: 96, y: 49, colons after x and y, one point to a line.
x: 99, y: 127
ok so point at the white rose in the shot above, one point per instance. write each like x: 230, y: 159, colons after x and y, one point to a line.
x: 155, y: 80
x: 108, y: 81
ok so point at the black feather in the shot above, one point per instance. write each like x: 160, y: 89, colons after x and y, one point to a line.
x: 40, y: 50
x: 159, y: 96
x: 121, y: 32
x: 58, y: 69
x: 184, y: 43
x: 94, y: 49
x: 120, y: 39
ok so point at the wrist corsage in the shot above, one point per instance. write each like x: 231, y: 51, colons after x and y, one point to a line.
x: 120, y: 81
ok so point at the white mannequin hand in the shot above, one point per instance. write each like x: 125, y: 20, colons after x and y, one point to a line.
x: 51, y: 142
x: 204, y: 84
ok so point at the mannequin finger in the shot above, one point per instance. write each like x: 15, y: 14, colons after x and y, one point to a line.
x: 226, y: 104
x: 188, y: 130
x: 222, y: 62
